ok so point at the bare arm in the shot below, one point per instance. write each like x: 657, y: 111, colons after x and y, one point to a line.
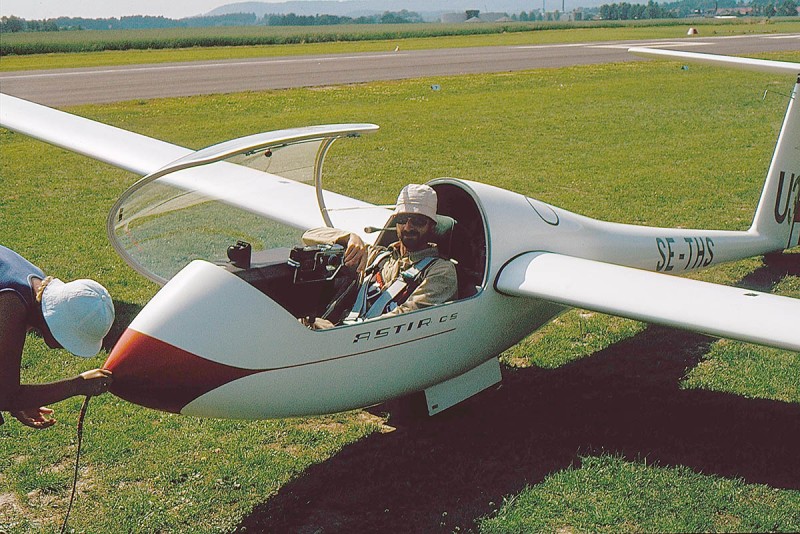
x: 91, y: 382
x: 355, y: 251
x: 12, y: 339
x: 24, y: 401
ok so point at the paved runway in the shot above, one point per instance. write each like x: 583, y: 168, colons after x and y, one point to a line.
x: 62, y: 87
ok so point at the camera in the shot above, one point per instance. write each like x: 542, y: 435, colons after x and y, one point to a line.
x: 239, y: 254
x: 316, y: 262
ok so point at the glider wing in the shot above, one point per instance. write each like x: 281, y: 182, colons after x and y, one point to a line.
x: 121, y: 148
x: 193, y: 204
x: 704, y: 307
x: 742, y: 63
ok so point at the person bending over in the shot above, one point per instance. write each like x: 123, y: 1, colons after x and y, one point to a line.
x: 75, y: 315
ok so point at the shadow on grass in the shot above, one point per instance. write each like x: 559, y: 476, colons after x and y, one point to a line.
x: 124, y: 313
x: 444, y: 472
x: 776, y: 266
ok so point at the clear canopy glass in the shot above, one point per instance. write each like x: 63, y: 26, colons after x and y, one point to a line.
x: 264, y: 189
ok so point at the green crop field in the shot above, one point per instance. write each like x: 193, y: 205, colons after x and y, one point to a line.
x: 601, y: 424
x: 37, y: 50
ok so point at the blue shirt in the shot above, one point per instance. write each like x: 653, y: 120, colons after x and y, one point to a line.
x: 15, y: 275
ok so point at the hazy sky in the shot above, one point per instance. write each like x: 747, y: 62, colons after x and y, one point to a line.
x: 45, y: 9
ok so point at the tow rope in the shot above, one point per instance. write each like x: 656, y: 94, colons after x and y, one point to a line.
x: 81, y: 417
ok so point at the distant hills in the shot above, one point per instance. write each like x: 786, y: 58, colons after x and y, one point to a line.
x: 427, y: 9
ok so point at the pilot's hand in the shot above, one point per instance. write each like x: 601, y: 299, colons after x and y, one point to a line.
x: 316, y: 323
x: 35, y: 417
x: 355, y: 256
x: 321, y: 324
x: 94, y: 382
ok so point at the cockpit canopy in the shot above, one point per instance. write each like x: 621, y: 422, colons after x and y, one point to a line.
x: 265, y: 189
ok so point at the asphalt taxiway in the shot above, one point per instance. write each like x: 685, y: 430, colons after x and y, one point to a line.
x: 62, y: 87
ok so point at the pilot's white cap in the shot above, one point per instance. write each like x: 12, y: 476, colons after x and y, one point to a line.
x: 79, y: 314
x: 415, y: 198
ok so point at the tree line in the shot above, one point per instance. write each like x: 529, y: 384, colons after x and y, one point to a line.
x: 615, y: 11
x: 686, y: 8
x: 388, y: 17
x: 137, y: 22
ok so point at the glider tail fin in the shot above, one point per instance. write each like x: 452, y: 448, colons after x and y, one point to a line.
x: 778, y: 214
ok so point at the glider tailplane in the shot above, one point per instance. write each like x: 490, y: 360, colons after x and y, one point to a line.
x: 778, y: 214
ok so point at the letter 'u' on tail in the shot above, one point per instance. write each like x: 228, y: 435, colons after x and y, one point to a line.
x: 778, y: 214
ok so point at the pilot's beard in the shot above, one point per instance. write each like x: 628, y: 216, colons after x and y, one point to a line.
x: 412, y: 240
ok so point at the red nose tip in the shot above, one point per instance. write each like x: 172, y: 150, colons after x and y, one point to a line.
x: 157, y: 375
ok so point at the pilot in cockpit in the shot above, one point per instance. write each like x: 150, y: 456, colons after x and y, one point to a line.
x: 407, y: 275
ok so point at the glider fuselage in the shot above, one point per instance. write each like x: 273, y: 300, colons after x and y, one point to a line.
x: 210, y: 344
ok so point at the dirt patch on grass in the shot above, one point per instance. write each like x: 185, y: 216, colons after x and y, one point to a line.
x: 9, y: 502
x: 12, y: 512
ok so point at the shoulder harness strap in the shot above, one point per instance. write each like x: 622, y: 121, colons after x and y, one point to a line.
x: 400, y: 288
x: 362, y: 298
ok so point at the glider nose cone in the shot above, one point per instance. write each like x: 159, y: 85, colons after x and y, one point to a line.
x: 155, y: 374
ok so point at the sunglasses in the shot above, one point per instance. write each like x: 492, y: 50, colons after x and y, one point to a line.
x: 415, y: 220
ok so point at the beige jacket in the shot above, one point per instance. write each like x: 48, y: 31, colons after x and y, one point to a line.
x: 440, y: 283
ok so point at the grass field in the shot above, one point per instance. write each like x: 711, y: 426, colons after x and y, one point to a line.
x: 103, y: 48
x: 600, y: 425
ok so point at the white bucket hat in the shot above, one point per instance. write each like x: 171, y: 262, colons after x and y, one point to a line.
x: 415, y: 198
x: 79, y: 314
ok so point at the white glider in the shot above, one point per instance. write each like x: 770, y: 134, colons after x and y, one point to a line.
x: 222, y: 339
